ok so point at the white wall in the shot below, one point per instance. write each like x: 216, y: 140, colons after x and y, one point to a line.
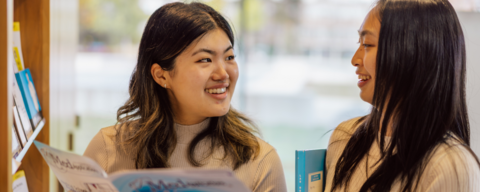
x: 471, y: 29
x: 63, y: 48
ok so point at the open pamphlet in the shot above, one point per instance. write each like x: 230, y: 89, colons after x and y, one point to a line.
x: 79, y: 173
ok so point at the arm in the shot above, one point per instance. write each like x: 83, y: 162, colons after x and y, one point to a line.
x: 269, y: 175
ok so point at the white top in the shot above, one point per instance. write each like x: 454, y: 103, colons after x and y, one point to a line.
x: 264, y: 173
x: 451, y: 168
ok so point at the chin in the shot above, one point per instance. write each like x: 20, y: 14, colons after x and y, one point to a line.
x: 220, y: 112
x: 366, y: 98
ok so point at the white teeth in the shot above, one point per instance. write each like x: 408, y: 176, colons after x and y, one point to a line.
x: 216, y: 91
x: 364, y: 77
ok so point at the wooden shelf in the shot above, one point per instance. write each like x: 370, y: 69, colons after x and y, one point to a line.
x: 49, y: 33
x: 30, y: 141
x: 34, y: 18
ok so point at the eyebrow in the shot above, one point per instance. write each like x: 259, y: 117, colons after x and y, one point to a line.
x: 366, y: 32
x: 211, y: 51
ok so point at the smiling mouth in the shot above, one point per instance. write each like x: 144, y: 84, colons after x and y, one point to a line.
x: 364, y: 77
x: 217, y: 90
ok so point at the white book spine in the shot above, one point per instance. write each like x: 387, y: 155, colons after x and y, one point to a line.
x: 18, y: 125
x: 17, y: 48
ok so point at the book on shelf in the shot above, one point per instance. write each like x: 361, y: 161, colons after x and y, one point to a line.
x: 79, y: 173
x: 19, y: 127
x: 17, y: 48
x: 22, y: 111
x: 15, y: 165
x: 16, y: 146
x: 29, y: 96
x: 19, y: 182
x: 310, y: 170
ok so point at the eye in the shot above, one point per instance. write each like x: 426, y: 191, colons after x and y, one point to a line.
x: 366, y: 45
x: 232, y: 57
x: 206, y: 60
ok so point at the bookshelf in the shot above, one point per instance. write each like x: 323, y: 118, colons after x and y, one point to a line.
x: 34, y: 18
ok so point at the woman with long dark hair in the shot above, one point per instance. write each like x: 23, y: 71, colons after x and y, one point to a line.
x: 411, y: 66
x: 179, y: 114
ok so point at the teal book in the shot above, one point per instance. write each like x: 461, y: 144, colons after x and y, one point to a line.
x: 29, y: 96
x: 310, y: 170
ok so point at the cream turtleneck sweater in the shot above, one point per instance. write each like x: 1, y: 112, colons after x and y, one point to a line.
x: 264, y: 173
x: 451, y: 167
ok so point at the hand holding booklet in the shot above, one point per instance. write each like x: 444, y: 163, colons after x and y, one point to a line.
x: 79, y: 173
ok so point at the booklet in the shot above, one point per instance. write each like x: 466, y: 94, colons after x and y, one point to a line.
x: 19, y: 182
x: 310, y: 170
x: 24, y: 121
x: 19, y: 127
x: 30, y: 97
x: 17, y: 48
x: 16, y: 146
x: 79, y: 173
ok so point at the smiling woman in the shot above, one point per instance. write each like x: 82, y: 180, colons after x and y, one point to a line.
x: 411, y: 65
x: 179, y: 113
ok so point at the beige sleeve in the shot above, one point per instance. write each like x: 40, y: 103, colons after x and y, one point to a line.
x: 269, y: 175
x: 96, y: 150
x: 455, y: 170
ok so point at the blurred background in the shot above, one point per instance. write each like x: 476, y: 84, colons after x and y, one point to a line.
x: 296, y: 80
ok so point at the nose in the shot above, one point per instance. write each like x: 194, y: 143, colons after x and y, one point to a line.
x: 220, y: 73
x: 357, y: 60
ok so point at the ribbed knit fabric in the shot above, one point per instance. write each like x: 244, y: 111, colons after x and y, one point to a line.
x: 264, y: 173
x: 452, y: 167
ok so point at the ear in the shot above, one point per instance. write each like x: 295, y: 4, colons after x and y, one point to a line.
x: 159, y: 75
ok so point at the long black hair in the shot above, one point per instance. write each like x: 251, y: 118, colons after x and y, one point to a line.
x: 419, y: 89
x: 146, y: 121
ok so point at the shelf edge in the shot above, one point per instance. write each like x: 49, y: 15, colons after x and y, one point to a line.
x: 30, y: 140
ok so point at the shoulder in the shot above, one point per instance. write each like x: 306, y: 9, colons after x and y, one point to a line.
x: 338, y: 141
x: 268, y: 174
x: 454, y: 154
x: 103, y: 147
x: 265, y: 148
x: 99, y: 143
x: 266, y: 152
x: 105, y: 136
x: 452, y: 165
x: 106, y: 149
x: 345, y: 130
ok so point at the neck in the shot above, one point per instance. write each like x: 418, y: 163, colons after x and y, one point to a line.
x: 189, y: 121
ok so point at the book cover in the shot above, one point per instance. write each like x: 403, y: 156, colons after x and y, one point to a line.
x: 310, y: 170
x: 29, y: 95
x: 16, y: 147
x: 22, y: 111
x: 20, y: 182
x: 18, y: 127
x: 79, y: 173
x: 17, y: 48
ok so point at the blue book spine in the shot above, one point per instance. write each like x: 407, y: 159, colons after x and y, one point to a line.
x: 300, y: 177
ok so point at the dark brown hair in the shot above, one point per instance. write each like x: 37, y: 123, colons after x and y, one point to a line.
x: 146, y: 121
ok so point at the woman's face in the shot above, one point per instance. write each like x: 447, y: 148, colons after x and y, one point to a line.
x: 202, y: 82
x: 366, y: 55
